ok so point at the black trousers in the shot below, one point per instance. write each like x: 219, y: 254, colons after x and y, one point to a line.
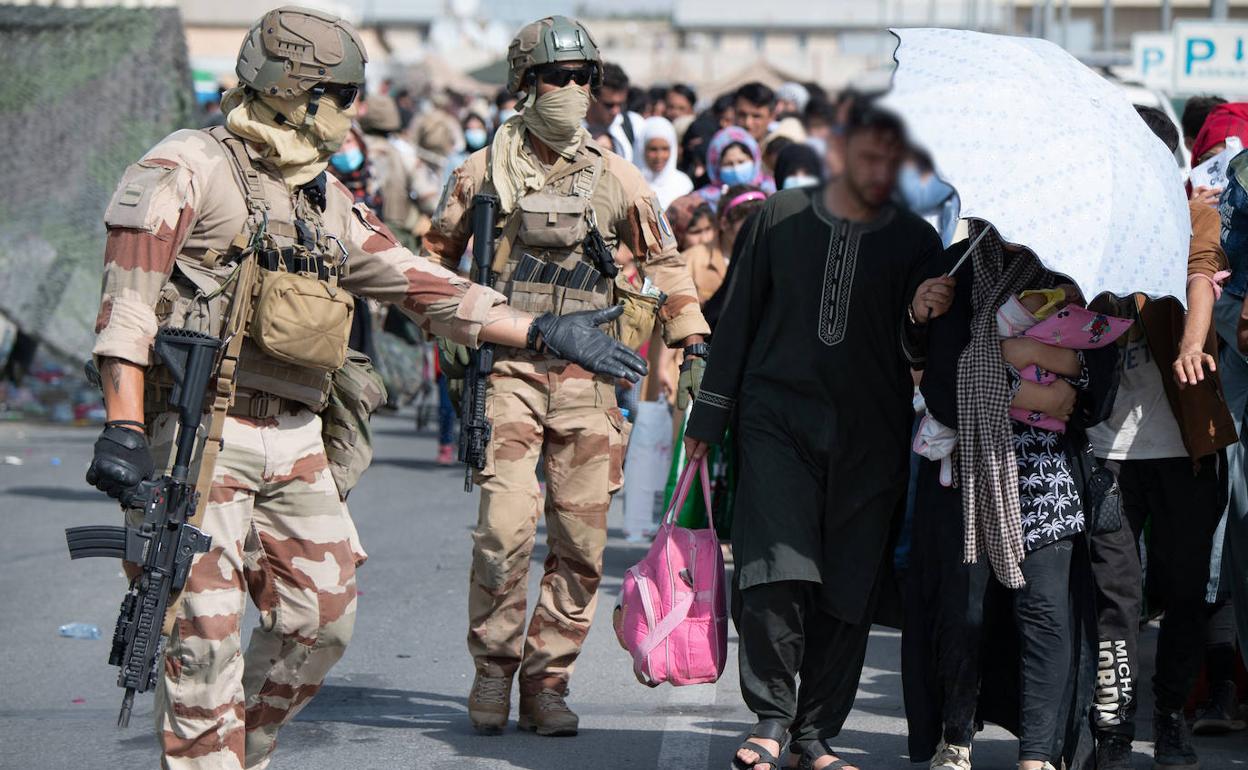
x: 1181, y: 504
x: 1042, y: 615
x: 799, y: 665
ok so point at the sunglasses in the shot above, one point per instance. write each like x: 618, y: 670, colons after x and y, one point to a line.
x: 561, y: 76
x: 345, y: 95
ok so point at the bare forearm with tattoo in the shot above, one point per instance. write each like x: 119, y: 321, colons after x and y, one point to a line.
x: 122, y: 383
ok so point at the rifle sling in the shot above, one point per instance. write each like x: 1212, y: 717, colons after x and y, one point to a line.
x: 234, y: 332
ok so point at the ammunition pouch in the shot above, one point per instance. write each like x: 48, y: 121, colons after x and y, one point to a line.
x: 301, y: 320
x: 551, y: 221
x: 356, y: 392
x: 635, y: 326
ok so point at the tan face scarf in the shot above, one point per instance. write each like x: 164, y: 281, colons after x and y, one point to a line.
x: 555, y: 119
x: 300, y: 153
x: 556, y: 116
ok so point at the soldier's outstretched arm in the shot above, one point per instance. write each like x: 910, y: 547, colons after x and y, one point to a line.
x: 447, y: 305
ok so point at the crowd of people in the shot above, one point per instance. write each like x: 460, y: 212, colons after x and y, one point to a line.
x: 1151, y: 408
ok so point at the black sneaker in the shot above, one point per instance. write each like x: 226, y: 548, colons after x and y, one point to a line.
x: 1113, y: 752
x: 1222, y: 713
x: 1172, y: 742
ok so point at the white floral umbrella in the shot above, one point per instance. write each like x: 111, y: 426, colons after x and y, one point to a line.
x: 1049, y: 152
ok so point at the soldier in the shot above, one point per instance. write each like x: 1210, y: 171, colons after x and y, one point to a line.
x: 197, y: 212
x: 558, y: 191
x: 393, y: 172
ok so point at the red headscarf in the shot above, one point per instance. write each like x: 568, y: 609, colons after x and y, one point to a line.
x: 1225, y: 120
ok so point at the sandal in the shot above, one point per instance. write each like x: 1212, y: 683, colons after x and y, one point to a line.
x: 768, y: 731
x: 815, y: 750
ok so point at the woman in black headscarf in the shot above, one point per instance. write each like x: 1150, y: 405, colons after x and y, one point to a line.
x: 798, y: 165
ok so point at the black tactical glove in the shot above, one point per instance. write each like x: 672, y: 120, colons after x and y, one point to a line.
x: 122, y: 461
x: 576, y: 337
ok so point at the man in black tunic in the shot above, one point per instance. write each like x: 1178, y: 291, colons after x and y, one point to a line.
x: 810, y: 362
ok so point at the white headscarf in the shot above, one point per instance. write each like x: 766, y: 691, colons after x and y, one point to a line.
x: 669, y: 183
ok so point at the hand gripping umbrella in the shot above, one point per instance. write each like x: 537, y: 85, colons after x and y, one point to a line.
x: 1049, y: 152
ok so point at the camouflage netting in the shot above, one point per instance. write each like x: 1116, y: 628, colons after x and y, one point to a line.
x: 84, y: 93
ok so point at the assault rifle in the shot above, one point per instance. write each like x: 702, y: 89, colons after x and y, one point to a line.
x: 475, y: 429
x: 163, y: 544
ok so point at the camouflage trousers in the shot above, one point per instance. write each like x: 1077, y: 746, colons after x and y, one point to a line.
x: 548, y: 410
x: 281, y: 535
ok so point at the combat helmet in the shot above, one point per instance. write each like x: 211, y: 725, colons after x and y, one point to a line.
x: 547, y: 41
x: 293, y: 51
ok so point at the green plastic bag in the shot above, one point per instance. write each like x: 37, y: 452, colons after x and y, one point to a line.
x: 723, y: 473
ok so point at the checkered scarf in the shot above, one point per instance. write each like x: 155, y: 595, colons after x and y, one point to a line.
x: 987, y: 468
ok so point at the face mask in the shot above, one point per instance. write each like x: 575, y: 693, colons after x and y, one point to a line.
x: 505, y: 115
x: 474, y: 138
x: 556, y: 116
x: 800, y: 180
x: 347, y: 161
x: 920, y: 195
x: 738, y: 173
x: 298, y: 148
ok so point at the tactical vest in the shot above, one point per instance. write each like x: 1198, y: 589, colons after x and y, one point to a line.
x: 299, y: 315
x: 546, y: 269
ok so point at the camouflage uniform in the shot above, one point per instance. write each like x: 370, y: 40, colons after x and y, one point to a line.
x: 280, y: 531
x: 549, y: 409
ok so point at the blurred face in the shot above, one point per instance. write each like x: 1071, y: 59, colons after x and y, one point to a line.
x: 701, y: 230
x: 658, y: 152
x: 611, y: 103
x: 728, y: 234
x: 872, y: 161
x: 734, y: 155
x: 677, y: 106
x: 753, y: 118
x: 604, y: 141
x: 349, y: 142
x: 1209, y: 153
x: 727, y: 118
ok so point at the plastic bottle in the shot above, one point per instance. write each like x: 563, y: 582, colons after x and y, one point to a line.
x: 80, y: 631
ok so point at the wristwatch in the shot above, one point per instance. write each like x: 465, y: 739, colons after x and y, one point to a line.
x: 699, y: 349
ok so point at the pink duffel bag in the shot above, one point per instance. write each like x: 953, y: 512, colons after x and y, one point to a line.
x: 672, y: 616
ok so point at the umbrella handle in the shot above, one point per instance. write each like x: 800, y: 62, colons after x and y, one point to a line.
x: 969, y: 250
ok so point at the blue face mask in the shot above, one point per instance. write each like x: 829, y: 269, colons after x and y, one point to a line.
x: 800, y: 180
x: 348, y: 160
x: 505, y: 115
x: 922, y: 195
x: 474, y: 138
x: 738, y: 173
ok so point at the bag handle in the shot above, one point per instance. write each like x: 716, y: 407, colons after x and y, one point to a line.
x: 682, y: 491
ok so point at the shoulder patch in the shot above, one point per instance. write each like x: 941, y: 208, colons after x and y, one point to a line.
x: 665, y: 227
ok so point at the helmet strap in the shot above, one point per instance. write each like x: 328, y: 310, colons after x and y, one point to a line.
x: 314, y: 103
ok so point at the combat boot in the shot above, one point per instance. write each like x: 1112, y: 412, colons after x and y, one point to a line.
x: 489, y: 703
x: 1113, y: 751
x: 1172, y: 742
x: 547, y: 713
